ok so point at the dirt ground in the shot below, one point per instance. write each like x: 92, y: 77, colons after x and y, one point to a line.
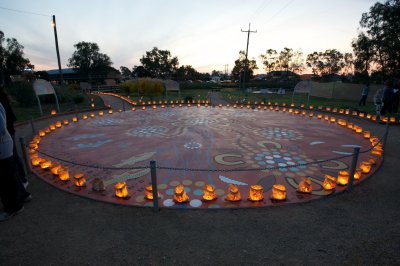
x: 357, y: 227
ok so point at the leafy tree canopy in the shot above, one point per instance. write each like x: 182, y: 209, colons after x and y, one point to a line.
x: 159, y: 63
x: 238, y: 69
x: 87, y: 59
x: 12, y: 60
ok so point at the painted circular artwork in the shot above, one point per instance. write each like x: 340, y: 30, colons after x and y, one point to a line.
x: 199, y: 146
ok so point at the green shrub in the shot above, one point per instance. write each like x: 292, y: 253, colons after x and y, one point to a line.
x: 146, y: 87
x: 22, y: 92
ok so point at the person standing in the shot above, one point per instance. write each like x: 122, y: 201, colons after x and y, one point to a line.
x: 8, y: 179
x: 387, y: 98
x: 364, y: 95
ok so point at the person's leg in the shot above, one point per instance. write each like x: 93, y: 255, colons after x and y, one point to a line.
x: 8, y: 187
x: 20, y: 166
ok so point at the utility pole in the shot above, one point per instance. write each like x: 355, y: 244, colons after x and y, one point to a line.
x: 58, y: 53
x: 247, y: 50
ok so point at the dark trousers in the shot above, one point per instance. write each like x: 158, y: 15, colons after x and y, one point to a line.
x: 20, y: 166
x: 9, y: 190
x: 387, y: 107
x: 363, y: 100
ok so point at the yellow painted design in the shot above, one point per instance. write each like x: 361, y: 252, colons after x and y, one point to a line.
x: 135, y: 159
x: 265, y: 142
x: 221, y: 159
x: 126, y: 176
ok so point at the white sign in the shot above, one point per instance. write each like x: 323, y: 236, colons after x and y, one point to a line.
x: 42, y: 87
x: 303, y: 87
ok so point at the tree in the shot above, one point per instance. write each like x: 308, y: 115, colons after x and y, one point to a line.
x: 12, y: 60
x: 125, y: 72
x: 296, y: 64
x: 238, y: 69
x: 159, y: 63
x: 270, y: 60
x: 314, y: 63
x: 285, y: 58
x: 88, y: 60
x: 332, y: 61
x: 379, y: 44
x: 348, y: 63
x: 187, y: 73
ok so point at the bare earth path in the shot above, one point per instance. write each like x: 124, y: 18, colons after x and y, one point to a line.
x: 360, y: 227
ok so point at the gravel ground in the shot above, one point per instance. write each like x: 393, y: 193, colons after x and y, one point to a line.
x: 357, y: 227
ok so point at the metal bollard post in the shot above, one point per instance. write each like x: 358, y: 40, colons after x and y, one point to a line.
x: 154, y: 185
x: 25, y: 155
x: 386, y: 135
x: 32, y: 127
x: 356, y: 152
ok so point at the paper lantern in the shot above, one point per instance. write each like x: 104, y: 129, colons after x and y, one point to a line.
x: 354, y: 113
x: 296, y: 111
x: 58, y: 124
x: 366, y: 134
x: 74, y: 119
x: 347, y: 111
x: 79, y: 180
x: 47, y: 130
x: 361, y: 115
x: 278, y: 192
x: 319, y: 116
x: 359, y: 130
x: 372, y: 160
x: 292, y: 105
x: 328, y: 109
x: 343, y: 178
x: 101, y: 113
x: 55, y: 168
x: 233, y: 193
x: 283, y: 109
x: 357, y: 174
x: 133, y: 109
x: 52, y: 127
x: 365, y: 167
x: 374, y: 140
x: 36, y: 161
x: 110, y: 112
x: 350, y: 125
x: 63, y: 174
x: 305, y: 185
x: 320, y: 108
x: 92, y: 105
x: 326, y: 117
x: 377, y: 151
x: 329, y: 182
x: 334, y: 110
x: 84, y: 117
x: 342, y: 122
x: 341, y: 111
x: 392, y: 119
x: 374, y: 117
x: 180, y: 194
x: 333, y: 119
x: 45, y: 164
x: 302, y: 105
x: 53, y: 112
x: 311, y: 107
x: 256, y: 193
x: 154, y: 106
x: 369, y: 116
x: 121, y: 190
x: 66, y: 122
x: 303, y: 113
x: 311, y: 114
x: 148, y: 192
x: 92, y: 115
x: 209, y: 193
x: 384, y: 119
x: 290, y: 110
x: 33, y: 146
x: 120, y: 110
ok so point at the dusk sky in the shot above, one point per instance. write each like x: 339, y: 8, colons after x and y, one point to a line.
x: 203, y: 33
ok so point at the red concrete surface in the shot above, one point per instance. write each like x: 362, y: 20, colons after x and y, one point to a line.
x: 196, y: 139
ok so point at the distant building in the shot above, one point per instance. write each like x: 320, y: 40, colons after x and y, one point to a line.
x: 70, y: 75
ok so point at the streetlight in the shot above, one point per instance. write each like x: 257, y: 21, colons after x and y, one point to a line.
x: 53, y: 23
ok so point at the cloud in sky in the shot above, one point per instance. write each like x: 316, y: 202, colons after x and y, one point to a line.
x: 205, y: 34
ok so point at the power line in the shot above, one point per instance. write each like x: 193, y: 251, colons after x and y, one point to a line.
x: 23, y: 11
x: 247, y: 50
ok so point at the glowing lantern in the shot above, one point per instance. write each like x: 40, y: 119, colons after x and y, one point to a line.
x: 248, y: 106
x: 374, y: 140
x: 303, y: 112
x: 292, y: 105
x: 311, y: 107
x: 55, y: 168
x: 329, y: 182
x: 334, y: 110
x: 319, y: 116
x: 53, y: 112
x: 110, y: 112
x: 341, y: 111
x: 326, y: 117
x: 384, y: 119
x: 154, y: 106
x: 45, y: 164
x: 74, y: 119
x: 290, y: 110
x: 277, y: 109
x: 374, y: 118
x: 121, y: 191
x: 377, y: 151
x: 320, y: 108
x: 328, y: 109
x: 278, y: 192
x: 357, y: 174
x: 343, y: 178
x: 84, y: 117
x: 369, y: 116
x: 259, y: 107
x: 92, y: 115
x: 297, y: 111
x: 58, y: 124
x: 347, y: 111
x: 233, y: 193
x: 220, y: 105
x: 143, y: 107
x: 162, y: 106
x: 52, y: 127
x: 133, y: 109
x: 361, y: 114
x: 180, y: 194
x: 342, y: 122
x: 33, y: 146
x: 366, y: 134
x: 302, y: 105
x: 283, y: 109
x: 354, y: 113
x: 333, y: 119
x: 36, y: 161
x: 65, y: 122
x: 63, y: 174
x: 79, y: 180
x: 256, y: 193
x: 372, y: 160
x: 92, y: 105
x: 148, y: 193
x: 47, y: 130
x: 350, y: 125
x: 120, y: 110
x: 305, y: 185
x: 311, y: 114
x: 365, y: 167
x: 101, y: 113
x: 209, y: 193
x: 392, y: 119
x: 271, y: 108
